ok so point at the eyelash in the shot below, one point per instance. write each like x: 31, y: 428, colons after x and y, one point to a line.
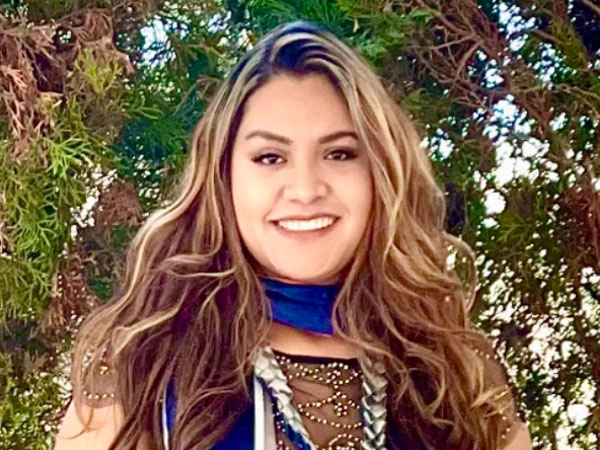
x: 349, y: 155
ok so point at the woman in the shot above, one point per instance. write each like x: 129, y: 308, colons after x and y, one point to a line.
x: 296, y: 293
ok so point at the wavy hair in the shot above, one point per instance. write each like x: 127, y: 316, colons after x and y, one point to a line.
x: 191, y: 307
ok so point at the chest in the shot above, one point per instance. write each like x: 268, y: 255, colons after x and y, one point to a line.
x: 324, y: 398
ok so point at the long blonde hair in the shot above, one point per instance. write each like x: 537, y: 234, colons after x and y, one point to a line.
x: 191, y: 307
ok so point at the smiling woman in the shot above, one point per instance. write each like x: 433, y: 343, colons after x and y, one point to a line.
x: 296, y: 294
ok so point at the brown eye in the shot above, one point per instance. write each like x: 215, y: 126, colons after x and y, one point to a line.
x: 267, y: 159
x: 341, y: 154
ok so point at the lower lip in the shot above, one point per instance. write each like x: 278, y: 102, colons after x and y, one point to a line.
x: 305, y: 234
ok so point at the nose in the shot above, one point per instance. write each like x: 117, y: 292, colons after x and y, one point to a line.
x: 305, y: 183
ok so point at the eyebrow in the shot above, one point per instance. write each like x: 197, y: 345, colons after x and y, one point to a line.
x: 282, y: 139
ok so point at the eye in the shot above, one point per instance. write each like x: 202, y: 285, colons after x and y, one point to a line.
x: 267, y: 159
x: 341, y: 154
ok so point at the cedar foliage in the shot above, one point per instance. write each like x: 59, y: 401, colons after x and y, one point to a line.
x: 97, y: 99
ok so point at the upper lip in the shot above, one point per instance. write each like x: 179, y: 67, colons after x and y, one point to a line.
x: 306, y: 217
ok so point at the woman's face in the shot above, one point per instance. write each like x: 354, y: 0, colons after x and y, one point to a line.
x: 301, y: 183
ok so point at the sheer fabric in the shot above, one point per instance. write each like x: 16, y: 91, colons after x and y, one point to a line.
x: 338, y: 402
x: 326, y: 393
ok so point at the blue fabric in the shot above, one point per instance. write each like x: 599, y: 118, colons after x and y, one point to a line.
x: 305, y: 306
x: 241, y: 436
x: 171, y: 405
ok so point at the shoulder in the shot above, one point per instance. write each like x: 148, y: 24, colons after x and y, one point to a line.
x: 520, y: 438
x: 93, y: 428
x: 93, y: 407
x: 84, y: 426
x: 98, y: 381
x: 497, y: 382
x: 95, y: 416
x: 494, y: 369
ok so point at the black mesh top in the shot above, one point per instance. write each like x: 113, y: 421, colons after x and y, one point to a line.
x: 326, y: 393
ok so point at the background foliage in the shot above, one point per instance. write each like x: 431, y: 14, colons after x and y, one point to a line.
x: 97, y: 99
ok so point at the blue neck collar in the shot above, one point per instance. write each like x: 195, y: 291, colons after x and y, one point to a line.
x: 305, y: 306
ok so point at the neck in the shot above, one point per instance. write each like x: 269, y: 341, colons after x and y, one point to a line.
x: 299, y: 342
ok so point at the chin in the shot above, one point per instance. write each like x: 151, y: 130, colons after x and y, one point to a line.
x: 307, y: 276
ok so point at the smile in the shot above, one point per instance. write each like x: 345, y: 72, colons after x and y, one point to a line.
x: 317, y: 223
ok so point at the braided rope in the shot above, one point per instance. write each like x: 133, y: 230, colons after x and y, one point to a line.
x: 266, y: 369
x: 373, y: 407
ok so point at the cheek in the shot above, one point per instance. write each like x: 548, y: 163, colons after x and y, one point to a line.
x: 249, y: 197
x: 359, y: 197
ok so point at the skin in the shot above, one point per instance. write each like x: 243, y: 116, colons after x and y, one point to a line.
x: 105, y: 425
x: 270, y: 180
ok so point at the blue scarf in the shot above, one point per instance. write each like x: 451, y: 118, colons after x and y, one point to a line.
x: 304, y: 306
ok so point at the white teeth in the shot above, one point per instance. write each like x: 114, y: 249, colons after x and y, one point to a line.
x: 304, y: 225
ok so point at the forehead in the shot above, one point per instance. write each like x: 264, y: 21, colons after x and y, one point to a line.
x: 308, y: 104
